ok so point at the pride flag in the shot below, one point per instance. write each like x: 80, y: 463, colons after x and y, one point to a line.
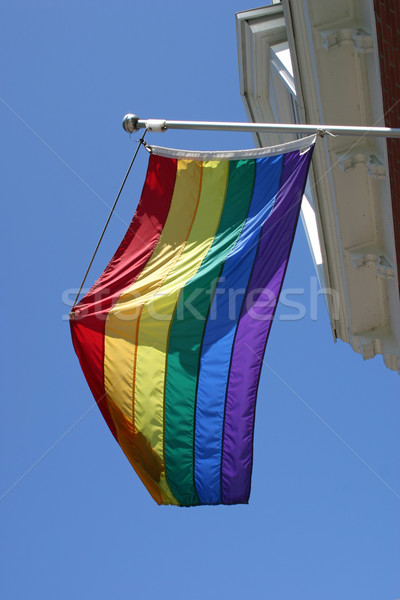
x: 172, y: 335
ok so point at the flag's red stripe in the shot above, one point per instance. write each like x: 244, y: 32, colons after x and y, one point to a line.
x: 88, y: 325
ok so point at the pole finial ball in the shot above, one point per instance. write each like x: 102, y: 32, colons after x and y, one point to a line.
x: 129, y: 123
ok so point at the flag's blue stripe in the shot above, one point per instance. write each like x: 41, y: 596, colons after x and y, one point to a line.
x: 220, y: 330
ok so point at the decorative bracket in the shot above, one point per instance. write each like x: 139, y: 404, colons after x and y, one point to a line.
x: 358, y: 38
x: 369, y: 258
x: 373, y: 165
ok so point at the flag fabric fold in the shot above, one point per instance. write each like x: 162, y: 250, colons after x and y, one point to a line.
x: 171, y: 337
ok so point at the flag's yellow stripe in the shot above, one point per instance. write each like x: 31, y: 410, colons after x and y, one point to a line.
x: 122, y: 320
x: 158, y: 312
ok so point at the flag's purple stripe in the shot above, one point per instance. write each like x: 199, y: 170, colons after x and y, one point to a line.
x: 253, y: 329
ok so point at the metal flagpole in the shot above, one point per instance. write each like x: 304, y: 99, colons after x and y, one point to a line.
x: 132, y: 123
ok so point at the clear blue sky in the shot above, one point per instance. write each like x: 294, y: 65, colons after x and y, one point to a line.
x: 324, y: 515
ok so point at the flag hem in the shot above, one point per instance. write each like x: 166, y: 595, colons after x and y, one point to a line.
x: 302, y: 144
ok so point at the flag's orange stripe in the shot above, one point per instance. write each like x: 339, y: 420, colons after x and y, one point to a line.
x: 122, y: 321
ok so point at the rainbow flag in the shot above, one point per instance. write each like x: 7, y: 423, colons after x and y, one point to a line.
x: 171, y: 337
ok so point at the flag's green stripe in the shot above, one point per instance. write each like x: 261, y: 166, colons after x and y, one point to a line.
x: 186, y: 336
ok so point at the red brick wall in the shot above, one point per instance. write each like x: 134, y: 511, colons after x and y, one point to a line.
x: 387, y: 16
